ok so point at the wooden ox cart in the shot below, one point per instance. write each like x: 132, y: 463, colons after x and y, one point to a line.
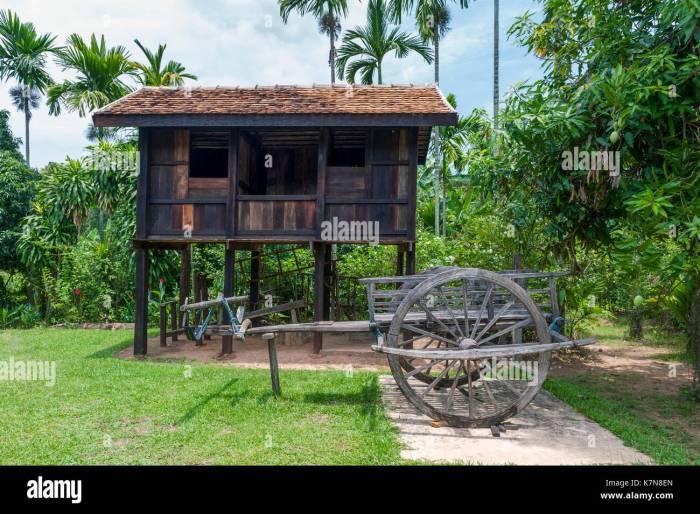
x: 466, y: 346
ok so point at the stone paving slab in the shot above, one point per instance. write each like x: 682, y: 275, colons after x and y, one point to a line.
x: 548, y: 431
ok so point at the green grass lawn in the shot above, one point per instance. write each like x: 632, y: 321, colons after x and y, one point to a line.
x: 643, y: 406
x: 104, y: 410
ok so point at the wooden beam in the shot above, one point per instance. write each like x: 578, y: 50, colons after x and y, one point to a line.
x: 233, y: 181
x: 141, y: 303
x: 275, y: 120
x: 319, y: 268
x: 274, y: 367
x: 185, y: 278
x: 412, y: 183
x: 142, y: 185
x: 400, y: 259
x: 254, y: 280
x: 321, y: 179
x: 229, y: 286
x: 327, y: 282
x: 411, y: 259
x: 197, y: 294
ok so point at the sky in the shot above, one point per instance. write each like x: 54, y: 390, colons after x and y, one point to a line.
x: 245, y: 42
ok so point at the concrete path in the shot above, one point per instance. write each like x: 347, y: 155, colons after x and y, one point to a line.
x: 547, y: 432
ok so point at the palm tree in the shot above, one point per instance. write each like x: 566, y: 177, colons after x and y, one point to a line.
x: 23, y: 58
x: 25, y: 99
x: 152, y: 73
x: 100, y: 72
x: 68, y: 190
x: 432, y: 18
x: 371, y: 43
x: 328, y: 12
x: 495, y: 63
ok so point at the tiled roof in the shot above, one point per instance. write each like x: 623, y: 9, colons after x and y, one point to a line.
x: 281, y: 100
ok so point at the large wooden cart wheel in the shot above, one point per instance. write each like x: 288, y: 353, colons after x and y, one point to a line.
x: 405, y: 363
x: 468, y: 309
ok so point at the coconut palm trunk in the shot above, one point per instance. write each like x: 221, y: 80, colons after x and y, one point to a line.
x: 27, y: 115
x: 436, y: 171
x: 331, y: 57
x: 495, y: 63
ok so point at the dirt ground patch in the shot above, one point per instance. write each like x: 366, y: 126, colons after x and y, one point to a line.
x: 646, y: 378
x: 294, y: 351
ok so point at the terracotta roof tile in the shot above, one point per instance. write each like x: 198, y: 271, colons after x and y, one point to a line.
x: 281, y: 100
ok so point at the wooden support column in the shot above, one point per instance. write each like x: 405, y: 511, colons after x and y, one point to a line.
x: 319, y: 291
x: 204, y: 297
x: 400, y: 258
x: 229, y: 286
x: 197, y: 294
x: 327, y: 271
x: 274, y: 367
x: 411, y: 259
x: 141, y: 314
x: 185, y: 279
x: 254, y: 280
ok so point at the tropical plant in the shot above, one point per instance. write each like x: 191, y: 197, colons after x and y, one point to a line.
x: 23, y: 55
x: 369, y: 45
x: 432, y: 19
x: 496, y: 57
x: 17, y: 185
x: 327, y: 12
x: 153, y: 73
x: 68, y: 190
x: 8, y: 142
x: 100, y: 75
x: 619, y: 78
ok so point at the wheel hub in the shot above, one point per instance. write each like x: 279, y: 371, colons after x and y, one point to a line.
x: 465, y: 343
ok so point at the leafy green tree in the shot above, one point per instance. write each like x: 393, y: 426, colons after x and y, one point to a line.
x: 153, y: 73
x: 327, y: 12
x: 23, y: 55
x: 618, y: 77
x: 17, y: 184
x: 100, y: 73
x: 8, y: 142
x: 369, y: 45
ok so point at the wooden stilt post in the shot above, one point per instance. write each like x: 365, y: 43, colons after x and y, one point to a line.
x: 229, y: 266
x: 141, y: 314
x: 185, y: 279
x: 274, y: 367
x: 197, y: 293
x: 254, y: 280
x: 411, y: 259
x: 204, y: 296
x: 163, y: 324
x: 319, y: 292
x: 400, y: 258
x: 327, y: 279
x: 173, y: 319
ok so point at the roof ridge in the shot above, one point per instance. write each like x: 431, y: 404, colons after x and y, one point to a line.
x: 280, y: 86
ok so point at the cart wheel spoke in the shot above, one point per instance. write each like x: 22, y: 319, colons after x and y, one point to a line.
x: 435, y: 315
x: 452, y: 315
x: 487, y: 298
x: 494, y: 320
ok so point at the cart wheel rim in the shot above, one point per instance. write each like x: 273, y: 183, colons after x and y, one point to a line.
x: 461, y: 392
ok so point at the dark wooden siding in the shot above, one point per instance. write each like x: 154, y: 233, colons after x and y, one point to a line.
x: 379, y: 191
x: 180, y: 205
x: 379, y: 187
